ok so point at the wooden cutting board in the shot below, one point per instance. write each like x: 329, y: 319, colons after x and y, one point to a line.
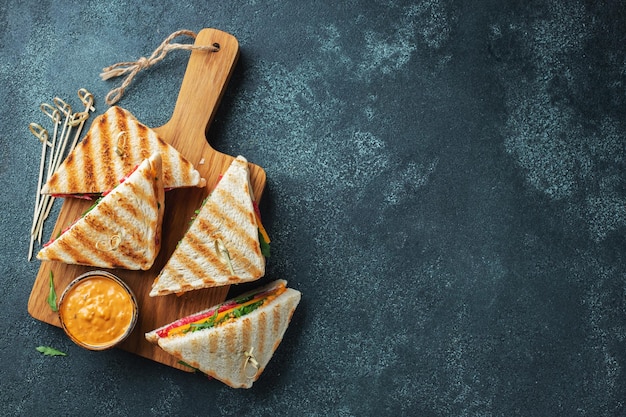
x: 203, y: 85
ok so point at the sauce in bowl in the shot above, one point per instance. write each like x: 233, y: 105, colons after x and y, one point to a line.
x: 97, y: 310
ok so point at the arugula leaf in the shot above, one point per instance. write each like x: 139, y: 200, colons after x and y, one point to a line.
x: 93, y: 206
x: 265, y: 247
x: 244, y: 299
x: 243, y: 310
x: 48, y: 351
x: 186, y: 364
x: 207, y: 324
x: 52, y: 296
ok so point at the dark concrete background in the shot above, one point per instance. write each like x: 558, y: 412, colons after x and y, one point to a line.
x: 446, y: 187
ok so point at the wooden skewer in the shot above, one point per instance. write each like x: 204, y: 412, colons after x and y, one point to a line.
x: 66, y: 109
x: 49, y: 200
x: 55, y: 115
x: 41, y: 134
x: 48, y: 203
x: 87, y: 99
x: 44, y: 205
x: 57, y: 153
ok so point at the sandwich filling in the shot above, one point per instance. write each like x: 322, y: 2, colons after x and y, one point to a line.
x: 264, y: 239
x: 222, y: 313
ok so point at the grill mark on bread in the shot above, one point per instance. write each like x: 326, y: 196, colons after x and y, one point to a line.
x: 246, y: 331
x: 106, y: 136
x: 94, y: 149
x: 120, y: 118
x: 79, y: 237
x: 276, y: 323
x: 230, y: 338
x: 261, y: 326
x: 190, y: 264
x: 213, y: 344
x: 145, y: 145
x: 124, y: 254
x: 132, y: 207
x: 88, y: 172
x: 102, y: 135
x: 239, y: 261
x: 72, y: 180
x: 224, y: 203
x: 234, y: 227
x: 97, y: 225
x: 198, y: 249
x: 243, y: 212
x: 65, y: 249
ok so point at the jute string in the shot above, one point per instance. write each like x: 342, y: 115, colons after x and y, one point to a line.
x: 130, y: 69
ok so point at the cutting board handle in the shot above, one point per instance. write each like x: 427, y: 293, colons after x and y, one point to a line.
x: 203, y: 85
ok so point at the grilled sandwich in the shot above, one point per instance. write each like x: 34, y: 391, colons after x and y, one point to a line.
x: 234, y: 341
x: 114, y: 145
x: 121, y: 230
x: 223, y: 244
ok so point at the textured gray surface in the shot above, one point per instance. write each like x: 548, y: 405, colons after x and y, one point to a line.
x: 446, y: 187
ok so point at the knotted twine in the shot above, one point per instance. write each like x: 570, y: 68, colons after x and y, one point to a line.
x: 130, y: 69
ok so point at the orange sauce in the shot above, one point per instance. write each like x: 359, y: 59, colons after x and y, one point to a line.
x: 97, y: 312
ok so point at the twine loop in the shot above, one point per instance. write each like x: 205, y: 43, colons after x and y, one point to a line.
x: 130, y: 69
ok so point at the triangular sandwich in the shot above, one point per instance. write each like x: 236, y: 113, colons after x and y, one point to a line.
x: 121, y: 230
x: 115, y: 144
x: 223, y: 243
x: 233, y: 341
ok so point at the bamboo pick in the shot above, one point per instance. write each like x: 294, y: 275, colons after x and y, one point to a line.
x: 71, y: 120
x: 77, y: 119
x: 66, y: 109
x: 55, y: 115
x: 87, y: 99
x: 48, y: 201
x: 41, y: 134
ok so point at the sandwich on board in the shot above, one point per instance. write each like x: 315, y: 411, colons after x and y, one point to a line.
x: 223, y: 243
x: 115, y: 144
x: 122, y: 229
x: 233, y: 341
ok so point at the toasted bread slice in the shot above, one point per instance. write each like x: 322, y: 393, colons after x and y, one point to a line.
x: 236, y: 351
x: 222, y: 244
x: 123, y: 230
x: 114, y: 145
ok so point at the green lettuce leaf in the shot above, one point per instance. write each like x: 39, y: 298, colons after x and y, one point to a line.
x: 52, y: 295
x: 265, y: 247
